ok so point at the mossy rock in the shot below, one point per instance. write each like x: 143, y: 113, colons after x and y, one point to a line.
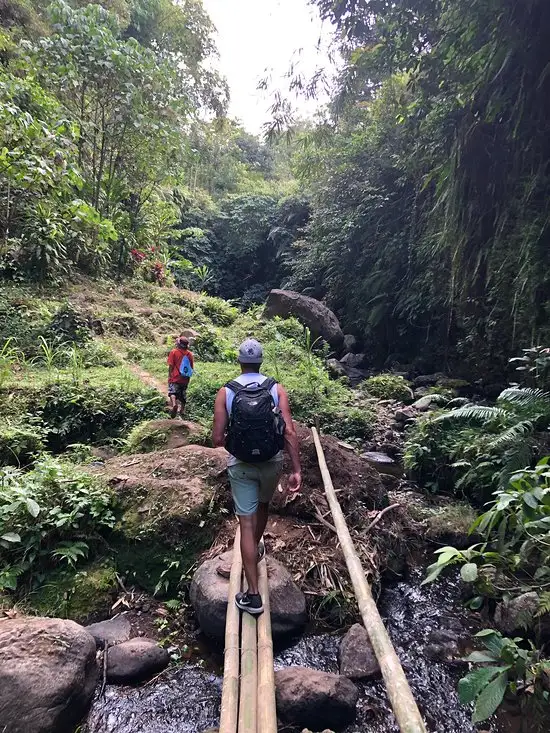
x: 164, y: 434
x: 82, y: 595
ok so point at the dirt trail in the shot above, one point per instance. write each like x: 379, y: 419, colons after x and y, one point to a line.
x: 145, y: 376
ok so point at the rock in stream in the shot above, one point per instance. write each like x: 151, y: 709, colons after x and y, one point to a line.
x: 187, y: 700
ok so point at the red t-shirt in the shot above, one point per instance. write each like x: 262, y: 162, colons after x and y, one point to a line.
x: 175, y: 357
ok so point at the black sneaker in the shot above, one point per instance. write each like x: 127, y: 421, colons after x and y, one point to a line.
x: 249, y: 602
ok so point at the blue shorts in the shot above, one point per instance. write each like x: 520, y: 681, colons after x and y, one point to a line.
x: 253, y: 484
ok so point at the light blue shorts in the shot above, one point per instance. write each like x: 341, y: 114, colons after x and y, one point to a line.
x: 253, y: 484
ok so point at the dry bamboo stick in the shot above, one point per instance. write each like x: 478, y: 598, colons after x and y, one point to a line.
x: 267, y: 710
x: 248, y: 698
x: 400, y: 695
x: 230, y: 691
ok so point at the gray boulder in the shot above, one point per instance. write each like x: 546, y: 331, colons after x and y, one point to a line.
x: 425, y: 403
x: 517, y: 614
x: 209, y: 592
x: 357, y: 658
x: 383, y: 463
x: 350, y: 343
x: 313, y: 699
x: 135, y: 661
x: 336, y: 369
x: 353, y: 360
x: 111, y: 632
x: 48, y: 674
x: 320, y: 320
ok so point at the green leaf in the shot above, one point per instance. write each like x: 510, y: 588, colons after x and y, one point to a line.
x: 11, y: 537
x: 470, y: 687
x: 469, y: 572
x: 479, y: 657
x: 490, y: 698
x: 33, y: 507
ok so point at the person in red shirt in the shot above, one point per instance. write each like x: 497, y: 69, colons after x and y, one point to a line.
x: 177, y: 384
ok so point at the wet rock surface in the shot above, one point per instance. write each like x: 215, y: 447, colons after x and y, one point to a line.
x: 188, y: 700
x: 209, y: 593
x: 357, y: 658
x: 308, y: 697
x: 48, y: 673
x: 135, y: 661
x: 383, y: 463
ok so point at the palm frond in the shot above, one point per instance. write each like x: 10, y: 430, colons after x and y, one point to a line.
x: 474, y: 413
x: 526, y: 397
x: 512, y: 435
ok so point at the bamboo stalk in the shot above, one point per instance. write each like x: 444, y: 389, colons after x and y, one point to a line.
x: 267, y: 709
x: 248, y: 699
x: 400, y: 695
x: 230, y: 691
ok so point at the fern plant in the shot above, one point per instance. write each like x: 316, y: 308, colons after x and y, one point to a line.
x: 519, y: 413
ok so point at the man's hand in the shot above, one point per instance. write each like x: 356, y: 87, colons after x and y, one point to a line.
x: 294, y: 482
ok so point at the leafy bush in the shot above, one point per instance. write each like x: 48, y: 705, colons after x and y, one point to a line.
x: 388, y: 387
x: 97, y: 353
x: 85, y: 414
x: 48, y: 516
x: 350, y: 424
x: 515, y: 531
x: 509, y: 665
x: 20, y: 443
x: 68, y: 326
x: 218, y: 311
x: 207, y: 346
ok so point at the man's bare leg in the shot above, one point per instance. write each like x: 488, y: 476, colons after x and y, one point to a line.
x: 249, y: 551
x: 173, y: 405
x: 261, y: 520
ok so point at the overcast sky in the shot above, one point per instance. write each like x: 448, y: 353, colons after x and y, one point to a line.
x: 259, y: 35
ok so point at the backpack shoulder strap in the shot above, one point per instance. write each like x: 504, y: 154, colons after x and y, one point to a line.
x: 269, y: 384
x: 234, y: 386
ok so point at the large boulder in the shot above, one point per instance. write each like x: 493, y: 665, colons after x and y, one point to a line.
x: 135, y: 661
x: 357, y: 658
x: 320, y: 320
x: 313, y: 699
x: 209, y: 591
x: 167, y: 491
x: 48, y: 674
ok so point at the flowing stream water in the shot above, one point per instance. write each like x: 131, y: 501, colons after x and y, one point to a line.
x: 424, y: 622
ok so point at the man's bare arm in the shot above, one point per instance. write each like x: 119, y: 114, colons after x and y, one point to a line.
x: 291, y: 442
x: 220, y: 420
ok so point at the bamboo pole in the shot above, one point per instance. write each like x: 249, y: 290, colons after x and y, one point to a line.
x: 248, y: 698
x: 400, y: 695
x: 267, y: 709
x: 230, y: 691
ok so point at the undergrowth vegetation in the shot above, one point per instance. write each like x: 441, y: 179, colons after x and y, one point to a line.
x: 49, y: 516
x: 496, y: 456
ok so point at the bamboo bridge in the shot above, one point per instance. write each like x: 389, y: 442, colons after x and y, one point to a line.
x: 248, y: 695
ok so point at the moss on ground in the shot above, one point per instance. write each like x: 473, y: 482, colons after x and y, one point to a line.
x: 84, y: 594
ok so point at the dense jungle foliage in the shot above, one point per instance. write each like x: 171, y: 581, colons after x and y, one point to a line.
x: 416, y: 206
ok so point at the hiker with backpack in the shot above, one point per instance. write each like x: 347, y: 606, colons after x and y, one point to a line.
x: 252, y: 420
x: 180, y: 371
